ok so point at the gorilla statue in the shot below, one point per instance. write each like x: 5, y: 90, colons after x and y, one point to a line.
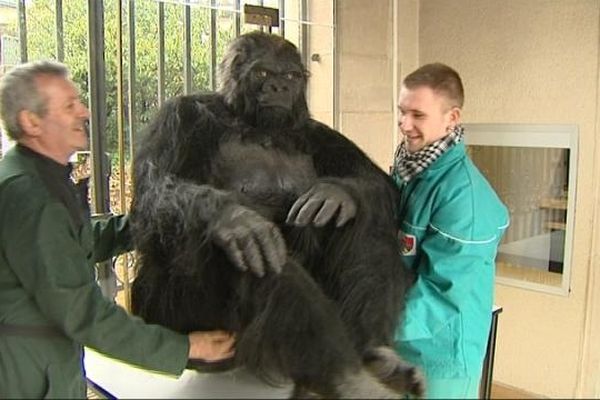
x: 251, y: 217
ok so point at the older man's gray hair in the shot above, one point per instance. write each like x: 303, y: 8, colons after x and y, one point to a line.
x: 19, y: 91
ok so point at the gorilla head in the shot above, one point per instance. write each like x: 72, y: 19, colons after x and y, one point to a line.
x: 264, y: 82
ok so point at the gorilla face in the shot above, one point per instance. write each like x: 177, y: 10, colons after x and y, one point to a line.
x: 276, y: 87
x: 264, y: 81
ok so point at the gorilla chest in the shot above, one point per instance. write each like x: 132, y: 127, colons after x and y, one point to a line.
x: 263, y: 174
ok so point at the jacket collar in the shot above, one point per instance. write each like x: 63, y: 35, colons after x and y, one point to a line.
x: 45, y: 164
x: 452, y: 155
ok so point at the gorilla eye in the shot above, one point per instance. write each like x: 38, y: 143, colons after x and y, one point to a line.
x: 261, y: 73
x: 292, y: 75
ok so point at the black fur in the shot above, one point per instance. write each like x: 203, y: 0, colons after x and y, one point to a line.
x: 336, y: 302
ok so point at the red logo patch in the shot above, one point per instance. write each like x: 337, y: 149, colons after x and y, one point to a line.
x: 408, y: 244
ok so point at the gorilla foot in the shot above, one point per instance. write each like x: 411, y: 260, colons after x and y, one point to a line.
x: 302, y: 392
x: 390, y: 369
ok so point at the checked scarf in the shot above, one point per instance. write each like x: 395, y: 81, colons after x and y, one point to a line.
x: 408, y: 165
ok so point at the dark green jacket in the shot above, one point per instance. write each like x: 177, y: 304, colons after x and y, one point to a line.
x: 47, y: 280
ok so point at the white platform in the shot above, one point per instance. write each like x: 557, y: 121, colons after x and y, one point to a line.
x: 534, y: 251
x: 121, y: 380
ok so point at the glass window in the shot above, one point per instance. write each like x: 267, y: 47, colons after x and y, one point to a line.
x: 533, y: 170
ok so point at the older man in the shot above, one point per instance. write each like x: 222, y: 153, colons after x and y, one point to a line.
x: 50, y: 304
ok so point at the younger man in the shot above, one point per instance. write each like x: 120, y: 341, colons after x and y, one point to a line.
x: 451, y: 222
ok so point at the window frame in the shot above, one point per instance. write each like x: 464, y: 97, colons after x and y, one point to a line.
x: 562, y: 136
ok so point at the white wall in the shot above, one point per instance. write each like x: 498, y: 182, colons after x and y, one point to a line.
x: 366, y: 93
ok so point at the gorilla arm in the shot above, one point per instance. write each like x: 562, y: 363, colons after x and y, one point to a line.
x: 177, y: 215
x: 348, y: 181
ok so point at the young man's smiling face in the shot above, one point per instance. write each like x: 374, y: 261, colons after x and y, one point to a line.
x: 425, y: 116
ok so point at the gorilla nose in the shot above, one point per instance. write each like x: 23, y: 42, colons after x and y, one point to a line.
x: 275, y: 87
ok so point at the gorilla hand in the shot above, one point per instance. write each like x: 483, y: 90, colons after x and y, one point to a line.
x: 320, y: 204
x: 250, y: 241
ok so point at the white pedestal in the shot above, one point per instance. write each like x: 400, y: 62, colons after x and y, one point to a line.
x: 121, y: 380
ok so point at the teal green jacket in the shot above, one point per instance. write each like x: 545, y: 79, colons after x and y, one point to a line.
x: 450, y: 228
x: 47, y: 280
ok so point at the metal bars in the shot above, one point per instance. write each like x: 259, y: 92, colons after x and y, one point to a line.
x: 97, y: 96
x: 161, y: 53
x: 131, y: 77
x: 60, y: 42
x: 213, y: 45
x: 121, y: 145
x: 101, y: 163
x: 128, y: 97
x: 187, y: 49
x: 21, y: 10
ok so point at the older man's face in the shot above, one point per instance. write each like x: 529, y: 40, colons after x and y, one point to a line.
x: 63, y: 127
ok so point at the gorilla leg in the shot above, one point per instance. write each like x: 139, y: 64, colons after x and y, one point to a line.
x: 364, y: 275
x: 184, y: 302
x: 292, y: 329
x: 286, y: 327
x: 359, y: 269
